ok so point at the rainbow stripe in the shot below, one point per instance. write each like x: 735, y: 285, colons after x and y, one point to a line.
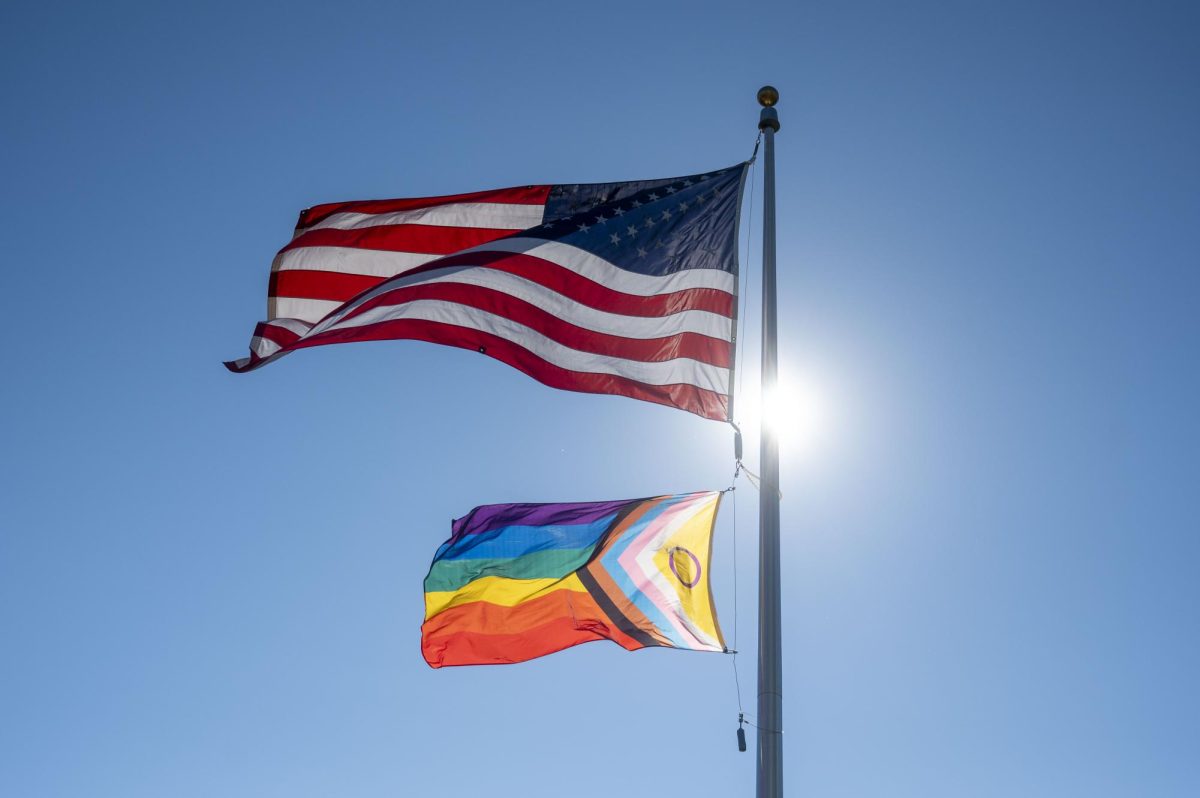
x: 519, y: 581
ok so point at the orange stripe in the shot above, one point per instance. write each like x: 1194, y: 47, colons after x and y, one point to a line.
x: 484, y: 616
x: 482, y: 633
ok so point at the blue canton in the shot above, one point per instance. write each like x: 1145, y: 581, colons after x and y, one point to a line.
x: 653, y: 227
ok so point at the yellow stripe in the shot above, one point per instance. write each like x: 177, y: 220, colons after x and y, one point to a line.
x: 498, y: 590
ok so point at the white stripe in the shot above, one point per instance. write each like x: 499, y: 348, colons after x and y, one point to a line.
x: 263, y: 347
x: 495, y: 215
x: 601, y: 271
x: 310, y: 311
x: 350, y: 260
x: 668, y: 372
x: 377, y: 263
x: 292, y: 324
x: 584, y: 263
x: 698, y: 321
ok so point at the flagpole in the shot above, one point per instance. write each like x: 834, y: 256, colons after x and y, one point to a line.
x: 770, y: 653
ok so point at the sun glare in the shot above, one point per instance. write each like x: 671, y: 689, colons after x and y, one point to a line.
x: 799, y: 414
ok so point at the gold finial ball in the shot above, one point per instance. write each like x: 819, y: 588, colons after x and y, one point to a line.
x: 768, y: 96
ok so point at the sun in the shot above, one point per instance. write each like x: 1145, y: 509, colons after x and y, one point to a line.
x: 798, y: 411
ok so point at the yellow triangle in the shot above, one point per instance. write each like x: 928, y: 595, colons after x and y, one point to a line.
x: 683, y: 560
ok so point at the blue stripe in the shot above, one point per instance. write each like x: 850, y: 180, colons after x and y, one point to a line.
x: 516, y: 541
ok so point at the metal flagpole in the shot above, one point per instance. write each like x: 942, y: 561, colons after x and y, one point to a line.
x: 770, y: 653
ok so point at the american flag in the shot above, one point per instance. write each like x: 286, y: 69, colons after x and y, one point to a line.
x: 623, y: 288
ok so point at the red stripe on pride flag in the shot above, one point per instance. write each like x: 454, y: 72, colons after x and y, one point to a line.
x: 484, y: 648
x: 691, y: 398
x: 428, y: 239
x: 520, y: 195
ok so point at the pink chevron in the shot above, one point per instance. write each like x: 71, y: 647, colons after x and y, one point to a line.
x: 642, y: 581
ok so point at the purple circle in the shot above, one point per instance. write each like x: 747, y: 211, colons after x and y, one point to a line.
x: 674, y: 570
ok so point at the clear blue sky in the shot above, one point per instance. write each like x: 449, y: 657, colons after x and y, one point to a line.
x: 210, y: 585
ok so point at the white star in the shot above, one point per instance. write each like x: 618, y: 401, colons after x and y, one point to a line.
x: 687, y: 183
x: 671, y: 189
x: 548, y: 224
x: 683, y: 206
x: 649, y: 222
x: 631, y: 229
x: 601, y: 219
x: 666, y: 215
x: 616, y: 239
x: 653, y: 197
x: 636, y: 204
x: 642, y: 252
x: 583, y: 228
x: 619, y: 211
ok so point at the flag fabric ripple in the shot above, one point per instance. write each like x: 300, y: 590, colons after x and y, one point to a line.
x: 519, y: 581
x: 621, y: 288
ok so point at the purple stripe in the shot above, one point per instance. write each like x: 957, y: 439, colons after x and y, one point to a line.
x: 493, y: 516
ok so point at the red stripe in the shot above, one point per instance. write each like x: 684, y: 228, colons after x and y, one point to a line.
x: 482, y: 648
x: 596, y: 295
x: 559, y: 279
x: 519, y: 195
x: 251, y: 364
x: 299, y: 284
x: 430, y: 239
x: 303, y: 283
x: 273, y: 332
x: 312, y: 284
x: 692, y: 345
x: 482, y: 633
x: 700, y: 401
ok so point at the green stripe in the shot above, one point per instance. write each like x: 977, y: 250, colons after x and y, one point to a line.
x: 549, y: 564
